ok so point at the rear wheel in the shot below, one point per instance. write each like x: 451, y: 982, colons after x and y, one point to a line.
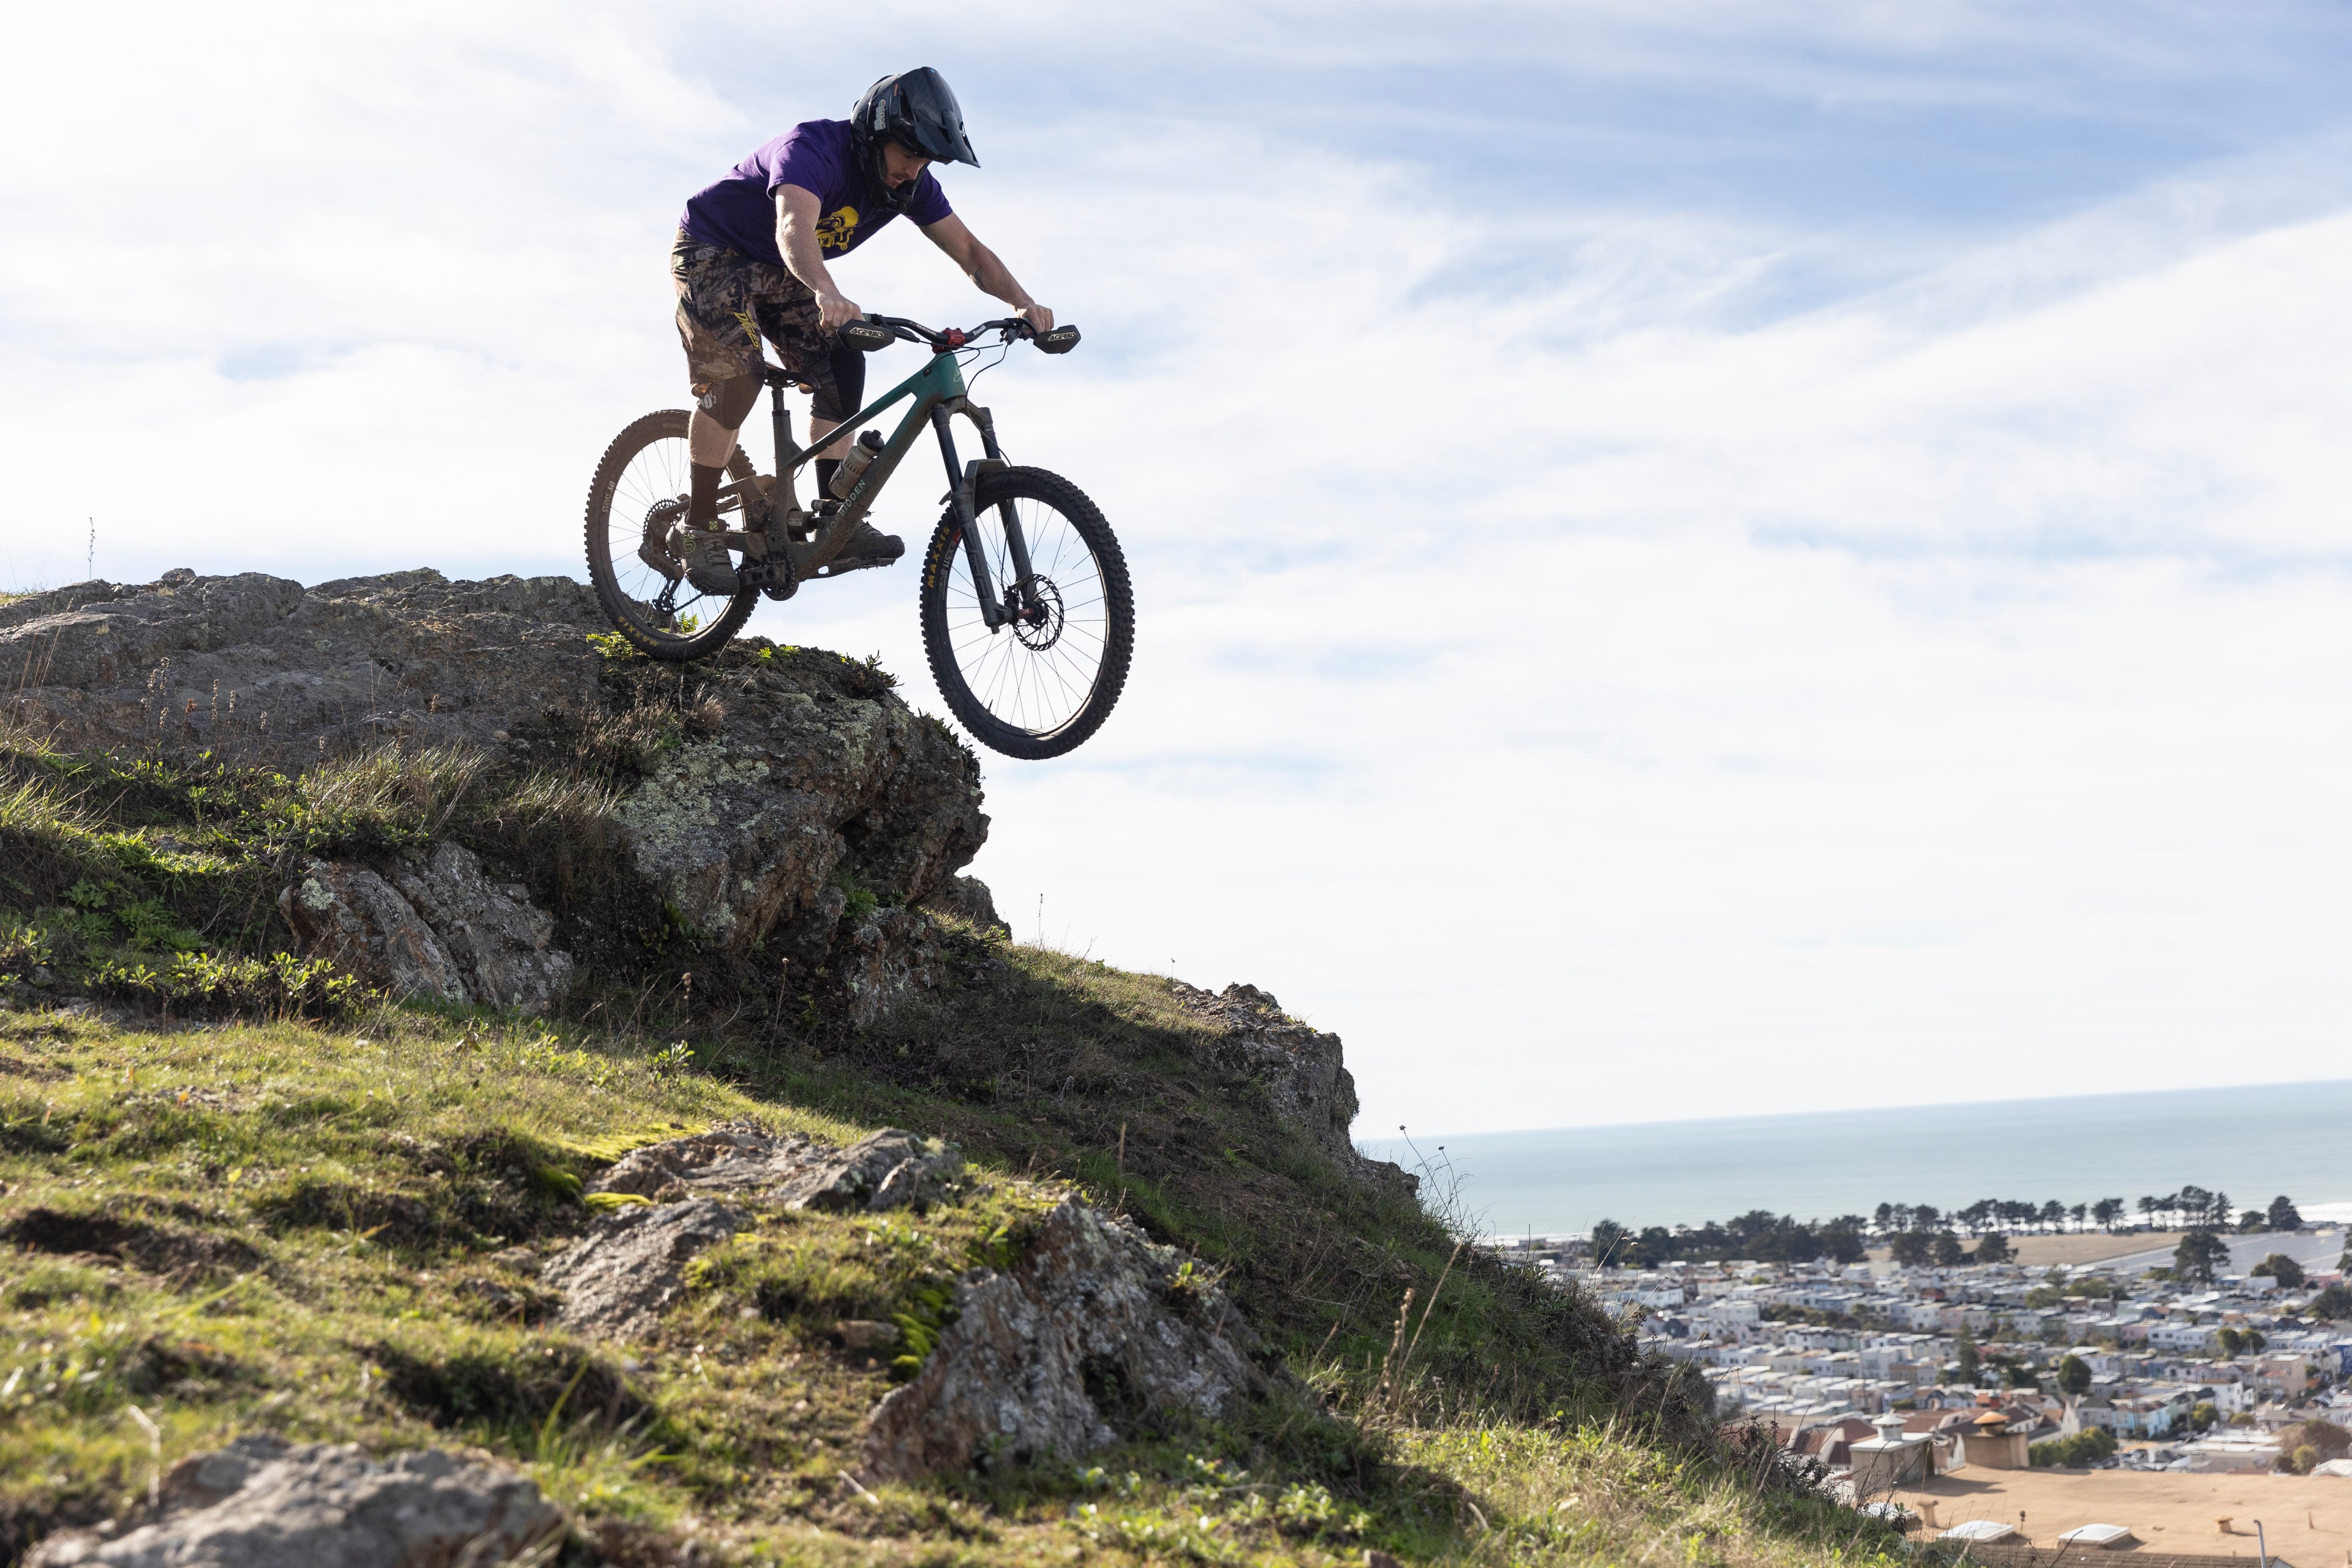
x: 1047, y: 678
x: 639, y: 492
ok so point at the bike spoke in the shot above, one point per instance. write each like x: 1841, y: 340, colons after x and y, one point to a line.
x: 1036, y: 673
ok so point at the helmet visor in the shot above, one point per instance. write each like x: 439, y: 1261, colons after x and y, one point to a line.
x: 933, y: 122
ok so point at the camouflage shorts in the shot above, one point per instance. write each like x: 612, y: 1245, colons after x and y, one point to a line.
x: 727, y: 302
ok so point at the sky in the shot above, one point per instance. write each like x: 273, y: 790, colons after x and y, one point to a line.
x: 1691, y: 561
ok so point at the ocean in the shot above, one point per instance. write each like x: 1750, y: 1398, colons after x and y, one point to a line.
x: 2252, y: 1144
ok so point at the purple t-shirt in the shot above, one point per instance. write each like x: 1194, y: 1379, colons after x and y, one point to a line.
x: 740, y: 211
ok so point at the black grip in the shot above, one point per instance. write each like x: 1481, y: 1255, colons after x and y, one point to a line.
x: 1060, y: 341
x: 866, y: 337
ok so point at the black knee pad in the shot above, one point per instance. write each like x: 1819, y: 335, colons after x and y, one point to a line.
x: 729, y: 401
x: 847, y: 394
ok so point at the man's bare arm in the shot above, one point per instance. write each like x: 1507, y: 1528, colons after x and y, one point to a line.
x: 796, y: 241
x: 981, y: 265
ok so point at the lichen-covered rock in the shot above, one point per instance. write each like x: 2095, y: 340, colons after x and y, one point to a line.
x: 350, y: 915
x: 244, y: 663
x: 745, y: 833
x: 94, y: 635
x: 439, y: 929
x: 886, y: 1170
x: 735, y: 1157
x: 890, y: 954
x: 630, y: 1265
x: 1300, y: 1068
x: 1096, y: 1331
x: 889, y: 1169
x: 262, y: 1502
x: 500, y: 943
x: 802, y: 774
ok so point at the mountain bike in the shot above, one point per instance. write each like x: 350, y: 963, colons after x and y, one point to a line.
x: 1028, y: 619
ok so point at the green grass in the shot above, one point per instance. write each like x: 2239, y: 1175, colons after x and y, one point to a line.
x: 279, y: 1202
x: 287, y: 1226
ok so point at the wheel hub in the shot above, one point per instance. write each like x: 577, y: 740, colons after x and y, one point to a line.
x: 1035, y: 614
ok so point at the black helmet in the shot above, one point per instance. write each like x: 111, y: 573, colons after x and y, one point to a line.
x: 916, y: 110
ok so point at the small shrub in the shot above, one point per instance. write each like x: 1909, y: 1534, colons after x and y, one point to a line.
x: 281, y: 985
x: 863, y: 901
x: 613, y: 645
x: 2087, y: 1447
x: 23, y: 947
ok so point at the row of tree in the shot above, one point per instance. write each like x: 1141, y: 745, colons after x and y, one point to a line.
x: 2191, y: 1206
x: 1760, y: 1234
x: 1918, y: 1234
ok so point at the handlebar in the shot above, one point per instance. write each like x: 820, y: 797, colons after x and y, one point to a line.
x: 1060, y: 340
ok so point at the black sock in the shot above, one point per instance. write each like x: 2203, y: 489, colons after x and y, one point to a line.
x: 702, y: 495
x: 825, y: 469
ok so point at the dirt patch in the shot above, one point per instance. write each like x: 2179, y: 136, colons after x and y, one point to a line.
x: 18, y: 1066
x: 2072, y: 1251
x: 183, y: 1256
x: 183, y: 1368
x: 393, y: 1217
x: 2309, y: 1519
x: 475, y: 1387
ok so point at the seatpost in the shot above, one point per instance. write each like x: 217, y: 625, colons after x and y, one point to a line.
x: 784, y: 500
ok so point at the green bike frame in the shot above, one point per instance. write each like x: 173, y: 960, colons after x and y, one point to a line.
x: 774, y: 560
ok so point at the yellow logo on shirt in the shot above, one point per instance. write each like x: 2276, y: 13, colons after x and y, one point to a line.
x: 836, y: 232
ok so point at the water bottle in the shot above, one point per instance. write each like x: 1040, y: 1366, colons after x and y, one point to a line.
x: 853, y: 467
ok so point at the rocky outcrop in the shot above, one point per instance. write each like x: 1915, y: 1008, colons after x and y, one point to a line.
x: 1301, y: 1070
x: 801, y: 778
x: 262, y: 1502
x: 736, y: 1157
x: 500, y: 944
x: 631, y: 1264
x: 1095, y: 1332
x: 350, y: 915
x: 886, y: 1170
x: 352, y: 662
x: 618, y: 1278
x: 890, y: 954
x: 438, y: 930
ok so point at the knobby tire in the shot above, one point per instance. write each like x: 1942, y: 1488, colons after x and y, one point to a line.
x: 944, y: 559
x: 626, y: 613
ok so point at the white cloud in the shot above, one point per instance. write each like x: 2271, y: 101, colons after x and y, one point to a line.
x: 1596, y: 695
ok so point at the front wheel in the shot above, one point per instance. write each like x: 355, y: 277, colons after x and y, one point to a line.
x: 1048, y: 675
x: 639, y: 490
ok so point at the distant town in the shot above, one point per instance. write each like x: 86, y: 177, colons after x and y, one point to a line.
x: 2048, y: 1336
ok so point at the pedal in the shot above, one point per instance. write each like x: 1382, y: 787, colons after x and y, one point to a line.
x: 772, y: 577
x: 836, y: 568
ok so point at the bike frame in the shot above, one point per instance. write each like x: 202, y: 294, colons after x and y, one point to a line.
x: 935, y: 395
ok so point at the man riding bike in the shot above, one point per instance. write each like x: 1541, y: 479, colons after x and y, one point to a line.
x: 751, y: 260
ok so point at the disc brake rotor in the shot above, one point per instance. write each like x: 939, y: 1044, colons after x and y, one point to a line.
x: 1037, y: 621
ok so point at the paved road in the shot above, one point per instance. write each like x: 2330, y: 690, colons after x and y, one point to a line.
x: 2316, y: 1252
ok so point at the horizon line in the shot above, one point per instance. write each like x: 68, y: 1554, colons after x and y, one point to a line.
x: 1866, y: 1110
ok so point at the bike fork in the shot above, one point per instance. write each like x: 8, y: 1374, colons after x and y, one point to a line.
x: 1014, y: 538
x: 993, y: 611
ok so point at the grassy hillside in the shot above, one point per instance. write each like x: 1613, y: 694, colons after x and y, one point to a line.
x: 263, y: 1198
